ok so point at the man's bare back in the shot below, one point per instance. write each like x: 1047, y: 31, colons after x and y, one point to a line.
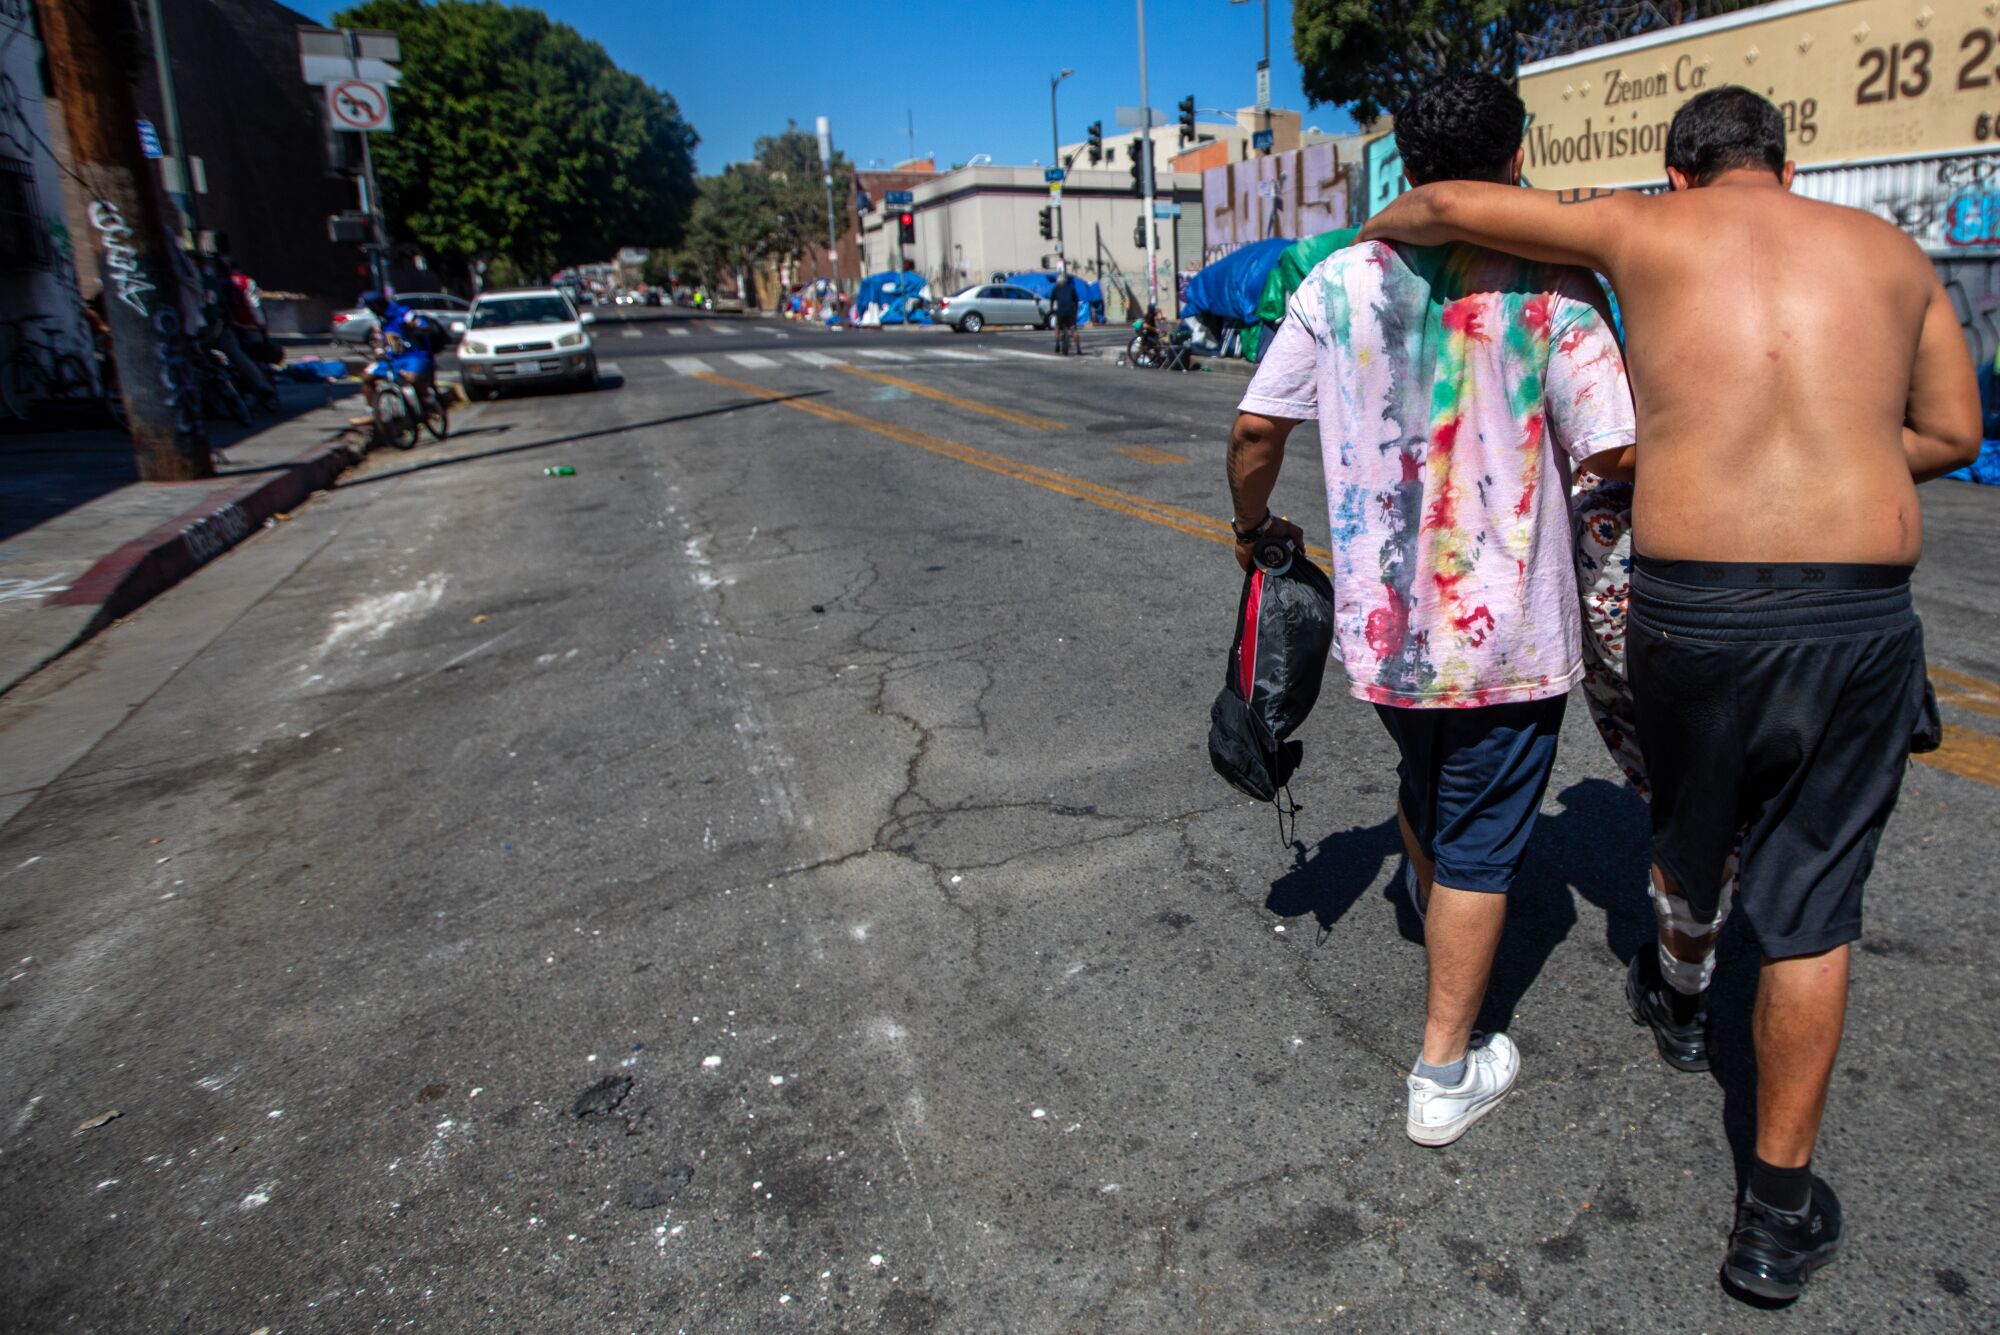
x: 1796, y: 366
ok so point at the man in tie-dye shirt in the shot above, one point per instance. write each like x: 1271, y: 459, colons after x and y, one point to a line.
x: 1455, y: 388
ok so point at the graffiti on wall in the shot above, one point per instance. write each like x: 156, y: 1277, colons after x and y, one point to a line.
x: 1296, y: 194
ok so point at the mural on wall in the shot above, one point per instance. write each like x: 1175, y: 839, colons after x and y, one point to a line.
x: 1296, y: 194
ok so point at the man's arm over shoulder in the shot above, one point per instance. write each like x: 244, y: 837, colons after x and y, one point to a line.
x: 1585, y: 227
x: 1941, y: 426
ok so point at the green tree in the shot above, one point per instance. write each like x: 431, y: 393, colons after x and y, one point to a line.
x: 1370, y: 55
x: 519, y: 141
x: 795, y: 192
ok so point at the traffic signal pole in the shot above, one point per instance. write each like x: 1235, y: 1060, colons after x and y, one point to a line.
x: 87, y: 42
x: 1146, y: 168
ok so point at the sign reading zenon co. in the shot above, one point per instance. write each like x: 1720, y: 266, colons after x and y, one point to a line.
x: 1857, y: 80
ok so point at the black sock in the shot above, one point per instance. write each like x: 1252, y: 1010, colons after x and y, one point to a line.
x: 1787, y: 1189
x: 1681, y: 1006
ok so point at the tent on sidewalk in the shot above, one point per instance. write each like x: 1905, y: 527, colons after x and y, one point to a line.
x: 893, y: 298
x: 1293, y: 265
x: 1227, y: 291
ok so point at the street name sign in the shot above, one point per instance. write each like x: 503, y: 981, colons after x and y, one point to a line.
x: 1053, y: 175
x: 898, y: 197
x: 1262, y: 140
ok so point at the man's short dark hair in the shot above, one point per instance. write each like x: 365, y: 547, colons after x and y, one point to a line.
x: 1723, y: 129
x: 1462, y: 126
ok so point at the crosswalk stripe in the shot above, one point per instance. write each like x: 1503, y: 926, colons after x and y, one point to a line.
x: 751, y: 359
x: 882, y: 356
x: 817, y: 358
x: 779, y: 333
x: 629, y: 333
x: 715, y: 328
x: 611, y: 370
x: 951, y: 356
x: 687, y: 365
x: 679, y: 331
x: 1016, y: 352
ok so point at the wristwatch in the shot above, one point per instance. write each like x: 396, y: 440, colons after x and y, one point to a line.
x: 1254, y: 533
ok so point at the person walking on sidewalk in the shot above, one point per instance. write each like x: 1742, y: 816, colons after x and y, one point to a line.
x: 1776, y: 664
x: 1063, y: 299
x: 1454, y: 388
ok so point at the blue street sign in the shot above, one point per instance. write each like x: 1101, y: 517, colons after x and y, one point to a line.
x: 1261, y: 140
x: 898, y: 197
x: 1052, y: 174
x: 1166, y: 210
x: 149, y: 139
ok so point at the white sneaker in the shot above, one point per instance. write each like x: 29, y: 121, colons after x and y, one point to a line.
x: 1438, y: 1115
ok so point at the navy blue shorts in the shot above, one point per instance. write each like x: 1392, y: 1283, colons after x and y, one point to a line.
x: 1472, y: 783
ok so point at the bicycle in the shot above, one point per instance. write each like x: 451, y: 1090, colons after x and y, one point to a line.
x: 435, y: 410
x: 39, y: 369
x: 398, y: 417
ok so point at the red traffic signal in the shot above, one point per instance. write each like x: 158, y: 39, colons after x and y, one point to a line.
x: 906, y: 227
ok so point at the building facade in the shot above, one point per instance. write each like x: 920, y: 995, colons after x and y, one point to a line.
x: 978, y: 221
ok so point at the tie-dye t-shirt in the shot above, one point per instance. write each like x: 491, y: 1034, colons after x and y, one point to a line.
x: 1453, y: 387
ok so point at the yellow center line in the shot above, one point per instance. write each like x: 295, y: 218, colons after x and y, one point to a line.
x: 1125, y: 502
x: 1968, y: 753
x: 1966, y: 691
x: 970, y: 405
x: 1146, y: 454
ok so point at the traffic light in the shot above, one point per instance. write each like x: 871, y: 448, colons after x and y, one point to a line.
x: 1138, y: 149
x: 1187, y: 119
x: 1096, y: 142
x: 1048, y: 224
x: 1139, y: 233
x: 906, y: 227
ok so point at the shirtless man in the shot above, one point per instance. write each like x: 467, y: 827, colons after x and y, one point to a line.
x: 1796, y: 368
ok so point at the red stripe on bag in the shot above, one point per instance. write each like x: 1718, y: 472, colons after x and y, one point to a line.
x: 1246, y: 658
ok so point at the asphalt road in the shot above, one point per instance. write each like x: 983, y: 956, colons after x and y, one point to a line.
x: 826, y: 759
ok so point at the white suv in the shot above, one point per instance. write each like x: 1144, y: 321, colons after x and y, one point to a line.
x: 529, y: 335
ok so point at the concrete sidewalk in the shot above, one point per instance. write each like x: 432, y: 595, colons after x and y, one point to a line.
x: 82, y: 542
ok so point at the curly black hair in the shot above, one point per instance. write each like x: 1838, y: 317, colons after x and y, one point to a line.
x: 1460, y: 126
x: 1723, y: 129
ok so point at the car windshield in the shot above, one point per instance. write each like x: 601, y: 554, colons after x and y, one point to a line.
x: 521, y: 310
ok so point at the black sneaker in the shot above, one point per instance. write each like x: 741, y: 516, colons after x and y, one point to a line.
x: 1683, y: 1046
x: 1771, y: 1253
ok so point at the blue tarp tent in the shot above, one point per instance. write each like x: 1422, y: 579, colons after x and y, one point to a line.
x: 893, y: 293
x: 1090, y: 296
x: 1229, y: 289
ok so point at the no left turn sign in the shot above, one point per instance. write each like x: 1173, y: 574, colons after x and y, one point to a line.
x: 357, y: 104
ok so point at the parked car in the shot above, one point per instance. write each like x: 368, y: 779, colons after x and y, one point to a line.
x: 358, y: 325
x: 983, y: 304
x: 530, y: 335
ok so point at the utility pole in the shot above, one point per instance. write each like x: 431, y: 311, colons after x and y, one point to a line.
x: 1264, y: 79
x: 1146, y: 167
x: 86, y: 42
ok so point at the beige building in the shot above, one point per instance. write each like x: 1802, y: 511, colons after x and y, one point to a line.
x: 978, y: 221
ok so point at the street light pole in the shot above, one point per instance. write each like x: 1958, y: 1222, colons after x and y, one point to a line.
x: 825, y: 129
x: 1264, y: 75
x: 1055, y: 152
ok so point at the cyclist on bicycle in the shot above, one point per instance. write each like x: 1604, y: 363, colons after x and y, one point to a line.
x: 409, y: 341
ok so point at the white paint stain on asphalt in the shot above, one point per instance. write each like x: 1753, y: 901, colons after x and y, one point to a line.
x: 371, y: 618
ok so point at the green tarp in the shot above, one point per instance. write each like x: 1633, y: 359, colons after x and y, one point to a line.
x: 1293, y: 265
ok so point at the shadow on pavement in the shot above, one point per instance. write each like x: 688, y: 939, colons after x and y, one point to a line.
x: 574, y: 437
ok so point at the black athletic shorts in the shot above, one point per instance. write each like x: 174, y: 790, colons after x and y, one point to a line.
x: 1778, y: 700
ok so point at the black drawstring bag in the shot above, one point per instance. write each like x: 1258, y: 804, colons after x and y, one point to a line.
x: 1284, y: 632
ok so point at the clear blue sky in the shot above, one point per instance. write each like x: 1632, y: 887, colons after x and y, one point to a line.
x: 975, y: 76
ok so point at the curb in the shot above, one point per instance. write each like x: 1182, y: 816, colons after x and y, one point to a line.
x: 142, y: 569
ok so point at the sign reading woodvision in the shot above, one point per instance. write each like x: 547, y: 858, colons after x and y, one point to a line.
x: 1857, y: 81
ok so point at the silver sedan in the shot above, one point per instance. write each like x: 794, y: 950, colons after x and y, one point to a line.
x: 983, y: 304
